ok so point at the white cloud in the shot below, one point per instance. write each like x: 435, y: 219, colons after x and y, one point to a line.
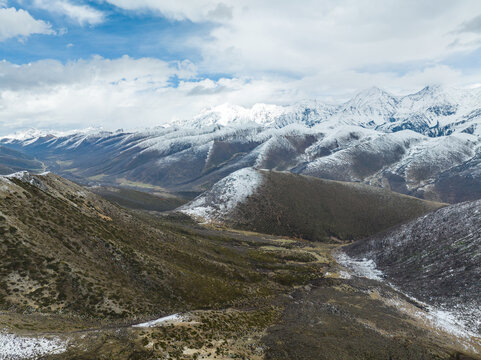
x: 198, y: 10
x: 81, y: 14
x: 51, y: 73
x: 473, y: 25
x: 114, y: 93
x: 19, y: 23
x: 308, y: 37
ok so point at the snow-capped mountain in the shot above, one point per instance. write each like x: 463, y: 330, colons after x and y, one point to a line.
x: 433, y: 111
x: 369, y: 108
x: 425, y: 144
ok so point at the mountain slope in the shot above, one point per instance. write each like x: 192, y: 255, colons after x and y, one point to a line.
x: 434, y: 258
x: 306, y: 207
x: 67, y: 251
x: 140, y: 200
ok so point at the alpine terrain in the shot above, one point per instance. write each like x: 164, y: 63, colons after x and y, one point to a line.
x: 309, y: 231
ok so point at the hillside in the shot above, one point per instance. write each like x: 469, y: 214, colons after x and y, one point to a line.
x: 435, y: 259
x: 425, y: 144
x: 66, y: 250
x: 77, y: 272
x: 303, y: 206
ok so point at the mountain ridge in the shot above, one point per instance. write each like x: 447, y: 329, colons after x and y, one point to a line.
x: 421, y: 151
x: 370, y: 101
x: 286, y: 204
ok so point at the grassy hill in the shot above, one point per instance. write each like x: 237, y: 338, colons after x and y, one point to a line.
x: 323, y: 210
x: 66, y: 250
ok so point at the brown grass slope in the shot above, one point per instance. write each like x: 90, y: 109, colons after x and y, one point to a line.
x: 66, y: 250
x: 323, y: 210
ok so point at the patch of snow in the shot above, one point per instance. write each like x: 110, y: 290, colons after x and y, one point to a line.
x: 450, y: 321
x: 5, y: 179
x: 18, y: 347
x: 362, y: 268
x: 26, y: 177
x: 19, y: 175
x: 344, y: 275
x: 161, y: 321
x: 447, y: 321
x: 225, y: 195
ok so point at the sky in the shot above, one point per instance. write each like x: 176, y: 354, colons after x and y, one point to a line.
x: 68, y: 64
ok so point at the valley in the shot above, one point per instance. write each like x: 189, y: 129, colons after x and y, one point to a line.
x: 331, y: 312
x: 238, y: 293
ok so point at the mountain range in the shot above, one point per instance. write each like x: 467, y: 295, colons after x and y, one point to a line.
x: 425, y: 144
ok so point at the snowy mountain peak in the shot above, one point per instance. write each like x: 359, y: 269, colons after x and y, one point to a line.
x: 373, y: 97
x: 29, y: 134
x: 432, y: 89
x: 432, y: 111
x: 228, y: 114
x: 32, y: 135
x: 373, y: 92
x: 369, y: 108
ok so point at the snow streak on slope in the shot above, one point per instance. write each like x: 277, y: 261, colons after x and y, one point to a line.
x: 224, y: 195
x: 434, y: 258
x: 166, y: 320
x: 429, y: 157
x: 451, y: 320
x: 361, y: 267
